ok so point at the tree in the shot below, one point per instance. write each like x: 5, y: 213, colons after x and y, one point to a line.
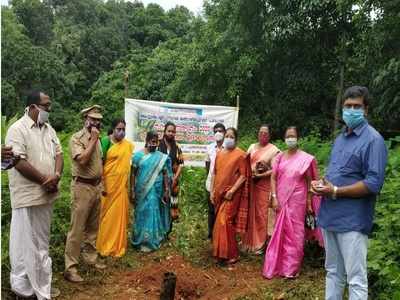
x: 288, y: 60
x: 37, y: 18
x: 25, y: 66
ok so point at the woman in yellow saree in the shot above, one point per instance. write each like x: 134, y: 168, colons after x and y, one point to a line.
x: 117, y: 155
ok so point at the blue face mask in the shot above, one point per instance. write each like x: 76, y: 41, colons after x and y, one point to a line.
x: 229, y: 143
x: 353, y: 117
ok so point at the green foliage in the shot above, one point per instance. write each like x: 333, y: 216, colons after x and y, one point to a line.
x: 5, y: 124
x: 37, y: 18
x: 190, y: 233
x: 282, y: 57
x: 386, y: 83
x: 384, y: 250
x: 150, y: 74
x: 24, y: 66
x: 64, y: 47
x: 312, y: 144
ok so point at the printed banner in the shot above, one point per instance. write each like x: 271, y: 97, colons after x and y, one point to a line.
x: 194, y: 124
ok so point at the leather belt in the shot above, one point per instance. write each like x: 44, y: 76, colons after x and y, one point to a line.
x: 91, y: 181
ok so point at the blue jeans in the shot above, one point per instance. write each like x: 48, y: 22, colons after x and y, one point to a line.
x: 346, y: 258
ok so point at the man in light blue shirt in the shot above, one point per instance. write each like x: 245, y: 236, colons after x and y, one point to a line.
x: 354, y: 177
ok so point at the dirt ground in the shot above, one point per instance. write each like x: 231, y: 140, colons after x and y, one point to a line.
x: 207, y: 281
x: 192, y: 282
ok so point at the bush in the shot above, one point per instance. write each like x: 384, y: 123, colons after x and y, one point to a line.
x: 384, y: 249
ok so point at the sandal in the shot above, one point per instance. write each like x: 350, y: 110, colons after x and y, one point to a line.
x: 259, y: 252
x: 233, y: 261
x: 292, y: 276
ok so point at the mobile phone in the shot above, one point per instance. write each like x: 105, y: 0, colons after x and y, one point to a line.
x: 7, y: 164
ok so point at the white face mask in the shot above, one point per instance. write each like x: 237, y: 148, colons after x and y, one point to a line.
x: 291, y: 142
x: 219, y: 136
x: 229, y: 143
x: 43, y: 116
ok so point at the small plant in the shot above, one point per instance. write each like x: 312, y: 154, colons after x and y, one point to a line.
x: 5, y: 124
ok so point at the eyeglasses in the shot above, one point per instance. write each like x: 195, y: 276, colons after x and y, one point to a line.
x: 46, y: 106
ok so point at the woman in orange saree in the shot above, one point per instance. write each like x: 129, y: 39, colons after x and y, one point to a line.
x: 261, y: 156
x: 117, y: 153
x: 229, y: 195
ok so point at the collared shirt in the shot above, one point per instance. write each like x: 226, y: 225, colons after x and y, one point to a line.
x: 39, y: 146
x: 94, y: 168
x: 357, y: 156
x: 212, y: 151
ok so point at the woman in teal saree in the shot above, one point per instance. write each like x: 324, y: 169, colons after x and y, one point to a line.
x: 152, y: 179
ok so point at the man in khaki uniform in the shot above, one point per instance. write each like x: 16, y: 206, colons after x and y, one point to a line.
x: 86, y: 187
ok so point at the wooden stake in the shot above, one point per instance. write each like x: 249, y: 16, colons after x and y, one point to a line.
x: 168, y: 286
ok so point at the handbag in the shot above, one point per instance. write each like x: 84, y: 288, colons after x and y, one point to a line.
x: 310, y: 221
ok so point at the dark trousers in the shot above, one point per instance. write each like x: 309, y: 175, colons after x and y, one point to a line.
x: 211, y: 217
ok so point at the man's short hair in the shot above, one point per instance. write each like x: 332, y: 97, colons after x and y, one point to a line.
x: 357, y: 91
x: 219, y: 125
x: 33, y: 98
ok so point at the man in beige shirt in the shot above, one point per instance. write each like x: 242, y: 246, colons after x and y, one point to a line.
x: 86, y: 188
x: 33, y: 189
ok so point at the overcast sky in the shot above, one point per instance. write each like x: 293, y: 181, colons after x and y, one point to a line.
x: 193, y: 5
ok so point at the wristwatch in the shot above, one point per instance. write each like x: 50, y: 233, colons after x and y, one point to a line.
x: 335, y: 188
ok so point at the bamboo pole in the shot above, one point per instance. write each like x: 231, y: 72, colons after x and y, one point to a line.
x: 338, y: 104
x: 126, y: 85
x: 237, y: 108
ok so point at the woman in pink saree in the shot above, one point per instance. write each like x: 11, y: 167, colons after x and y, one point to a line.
x: 292, y: 173
x: 260, y: 224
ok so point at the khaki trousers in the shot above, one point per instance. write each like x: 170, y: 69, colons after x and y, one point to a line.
x: 85, y: 212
